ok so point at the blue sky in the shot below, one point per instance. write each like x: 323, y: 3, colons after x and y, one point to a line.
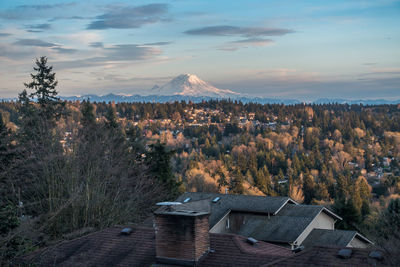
x: 281, y: 49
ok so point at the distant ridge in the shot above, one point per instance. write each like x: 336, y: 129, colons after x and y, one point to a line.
x: 119, y: 98
x: 189, y: 87
x: 359, y: 101
x: 171, y: 98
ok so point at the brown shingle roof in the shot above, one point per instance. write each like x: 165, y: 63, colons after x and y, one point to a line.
x: 110, y: 248
x: 104, y: 248
x: 328, y: 257
x: 233, y: 250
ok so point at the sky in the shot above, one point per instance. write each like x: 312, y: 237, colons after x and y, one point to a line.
x: 283, y: 49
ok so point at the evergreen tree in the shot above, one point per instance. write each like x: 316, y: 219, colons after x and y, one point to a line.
x: 236, y: 186
x: 159, y: 160
x: 111, y: 116
x: 5, y: 146
x: 42, y: 108
x: 44, y: 85
x: 88, y: 116
x: 309, y: 188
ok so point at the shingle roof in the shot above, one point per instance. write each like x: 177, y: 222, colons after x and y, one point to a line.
x: 110, y: 248
x: 233, y: 250
x: 285, y: 227
x: 336, y: 238
x: 229, y: 202
x: 289, y: 221
x: 307, y: 211
x: 104, y: 248
x: 328, y: 257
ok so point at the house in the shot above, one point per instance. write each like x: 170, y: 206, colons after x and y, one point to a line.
x: 278, y: 220
x: 181, y: 236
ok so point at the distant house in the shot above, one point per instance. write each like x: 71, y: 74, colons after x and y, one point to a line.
x: 386, y: 161
x: 277, y: 220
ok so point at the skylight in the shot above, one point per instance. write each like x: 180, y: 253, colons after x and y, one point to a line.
x: 186, y: 200
x: 215, y: 200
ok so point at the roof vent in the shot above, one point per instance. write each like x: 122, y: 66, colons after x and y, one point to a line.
x: 345, y: 253
x: 186, y: 200
x: 376, y: 255
x: 252, y: 241
x: 298, y: 249
x: 126, y: 231
x: 215, y: 200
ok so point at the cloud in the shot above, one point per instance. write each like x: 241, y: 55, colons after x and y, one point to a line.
x: 238, y: 31
x: 39, y: 43
x: 34, y: 42
x: 96, y: 44
x: 28, y: 12
x: 122, y: 17
x: 62, y: 50
x: 389, y: 72
x: 112, y: 55
x: 130, y: 52
x: 4, y: 34
x: 13, y: 52
x: 235, y: 45
x: 158, y: 43
x: 38, y: 27
x: 46, y: 6
x: 68, y: 18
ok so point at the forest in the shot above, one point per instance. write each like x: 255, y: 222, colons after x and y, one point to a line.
x: 69, y: 168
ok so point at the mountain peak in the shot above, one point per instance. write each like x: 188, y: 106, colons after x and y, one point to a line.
x: 188, y: 77
x: 191, y: 85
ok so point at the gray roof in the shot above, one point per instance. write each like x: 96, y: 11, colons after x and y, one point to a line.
x: 286, y: 226
x: 308, y: 211
x: 227, y: 202
x: 283, y: 229
x: 287, y: 222
x: 335, y: 238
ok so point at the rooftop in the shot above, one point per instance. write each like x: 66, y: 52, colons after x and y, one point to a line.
x: 111, y: 248
x: 328, y: 256
x: 227, y: 202
x: 335, y: 238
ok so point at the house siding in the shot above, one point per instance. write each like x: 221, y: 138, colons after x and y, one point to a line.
x: 357, y: 243
x: 236, y: 221
x: 220, y: 227
x: 321, y: 221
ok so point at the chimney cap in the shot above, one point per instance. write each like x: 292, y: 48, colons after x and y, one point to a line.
x: 168, y: 203
x: 195, y: 208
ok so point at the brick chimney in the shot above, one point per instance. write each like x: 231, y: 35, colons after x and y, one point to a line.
x: 182, y: 233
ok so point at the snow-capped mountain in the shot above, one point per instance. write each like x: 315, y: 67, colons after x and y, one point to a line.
x: 191, y: 85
